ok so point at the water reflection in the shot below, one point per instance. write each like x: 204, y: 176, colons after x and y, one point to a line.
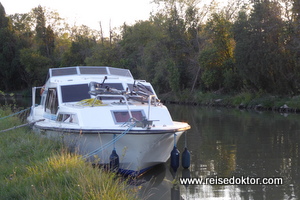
x: 226, y: 143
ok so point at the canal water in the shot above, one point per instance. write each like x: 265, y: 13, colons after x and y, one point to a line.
x: 231, y: 143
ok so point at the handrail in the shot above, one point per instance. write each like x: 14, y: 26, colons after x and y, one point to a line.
x: 149, y: 103
x: 125, y: 99
x: 33, y: 99
x: 118, y: 95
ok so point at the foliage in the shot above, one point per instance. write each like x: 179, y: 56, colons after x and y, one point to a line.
x: 217, y: 59
x: 36, y: 65
x: 103, y: 55
x: 243, y: 98
x: 261, y: 50
x: 8, y: 49
x: 246, y: 46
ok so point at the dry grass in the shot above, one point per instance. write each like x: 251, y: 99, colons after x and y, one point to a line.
x: 33, y: 167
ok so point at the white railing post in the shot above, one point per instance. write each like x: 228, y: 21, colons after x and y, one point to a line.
x: 33, y: 102
x: 149, y: 103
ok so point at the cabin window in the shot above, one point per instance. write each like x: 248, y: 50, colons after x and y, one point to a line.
x: 64, y: 71
x: 74, y: 93
x: 93, y: 70
x: 123, y: 116
x: 51, y: 105
x: 67, y: 118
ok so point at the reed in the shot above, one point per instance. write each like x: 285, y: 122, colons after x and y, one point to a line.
x: 33, y: 167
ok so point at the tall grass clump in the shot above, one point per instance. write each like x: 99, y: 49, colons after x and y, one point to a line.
x: 293, y: 102
x: 206, y: 98
x: 243, y: 98
x: 34, y: 167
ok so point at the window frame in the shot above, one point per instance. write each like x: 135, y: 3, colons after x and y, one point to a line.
x: 51, y: 101
x: 113, y: 113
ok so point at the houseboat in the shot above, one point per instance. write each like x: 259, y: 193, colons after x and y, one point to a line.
x: 106, y: 116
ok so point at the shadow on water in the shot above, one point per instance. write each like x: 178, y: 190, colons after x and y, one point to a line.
x: 226, y: 143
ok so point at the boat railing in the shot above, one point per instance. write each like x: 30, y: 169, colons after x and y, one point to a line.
x: 33, y: 99
x: 119, y: 96
x: 149, y: 103
x: 151, y: 98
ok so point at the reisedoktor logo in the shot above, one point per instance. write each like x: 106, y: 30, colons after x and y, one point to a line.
x: 232, y: 181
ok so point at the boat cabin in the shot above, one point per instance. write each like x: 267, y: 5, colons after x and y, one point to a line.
x: 71, y: 85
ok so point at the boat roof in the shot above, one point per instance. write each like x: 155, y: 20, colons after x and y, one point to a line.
x: 89, y: 70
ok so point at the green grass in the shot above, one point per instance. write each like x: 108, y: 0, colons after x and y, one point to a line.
x: 243, y: 98
x: 33, y: 167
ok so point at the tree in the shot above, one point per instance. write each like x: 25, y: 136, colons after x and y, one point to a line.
x: 217, y: 59
x: 40, y: 30
x: 260, y: 45
x: 104, y: 54
x: 22, y: 25
x: 293, y: 48
x: 36, y: 65
x: 62, y: 45
x: 137, y: 45
x: 44, y: 35
x: 80, y: 49
x: 8, y: 54
x: 36, y: 52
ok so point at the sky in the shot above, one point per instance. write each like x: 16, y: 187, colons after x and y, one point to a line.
x: 88, y: 12
x: 91, y: 12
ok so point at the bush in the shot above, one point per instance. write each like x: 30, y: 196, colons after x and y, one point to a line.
x: 243, y: 98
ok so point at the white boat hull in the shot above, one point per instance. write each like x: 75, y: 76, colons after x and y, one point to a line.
x: 137, y: 152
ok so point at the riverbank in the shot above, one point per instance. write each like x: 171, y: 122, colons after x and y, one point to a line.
x: 243, y: 100
x: 38, y: 168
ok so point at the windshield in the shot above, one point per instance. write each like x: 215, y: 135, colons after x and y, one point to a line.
x: 74, y: 93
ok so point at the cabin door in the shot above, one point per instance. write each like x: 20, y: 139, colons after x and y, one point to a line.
x: 51, y: 104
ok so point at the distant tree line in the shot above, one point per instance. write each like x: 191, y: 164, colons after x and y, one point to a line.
x: 247, y: 45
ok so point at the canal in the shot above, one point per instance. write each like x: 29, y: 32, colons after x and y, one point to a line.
x: 227, y: 143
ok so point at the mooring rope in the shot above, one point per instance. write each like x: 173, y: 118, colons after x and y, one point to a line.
x: 113, y: 141
x: 110, y: 142
x: 15, y: 113
x: 22, y: 125
x: 19, y: 126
